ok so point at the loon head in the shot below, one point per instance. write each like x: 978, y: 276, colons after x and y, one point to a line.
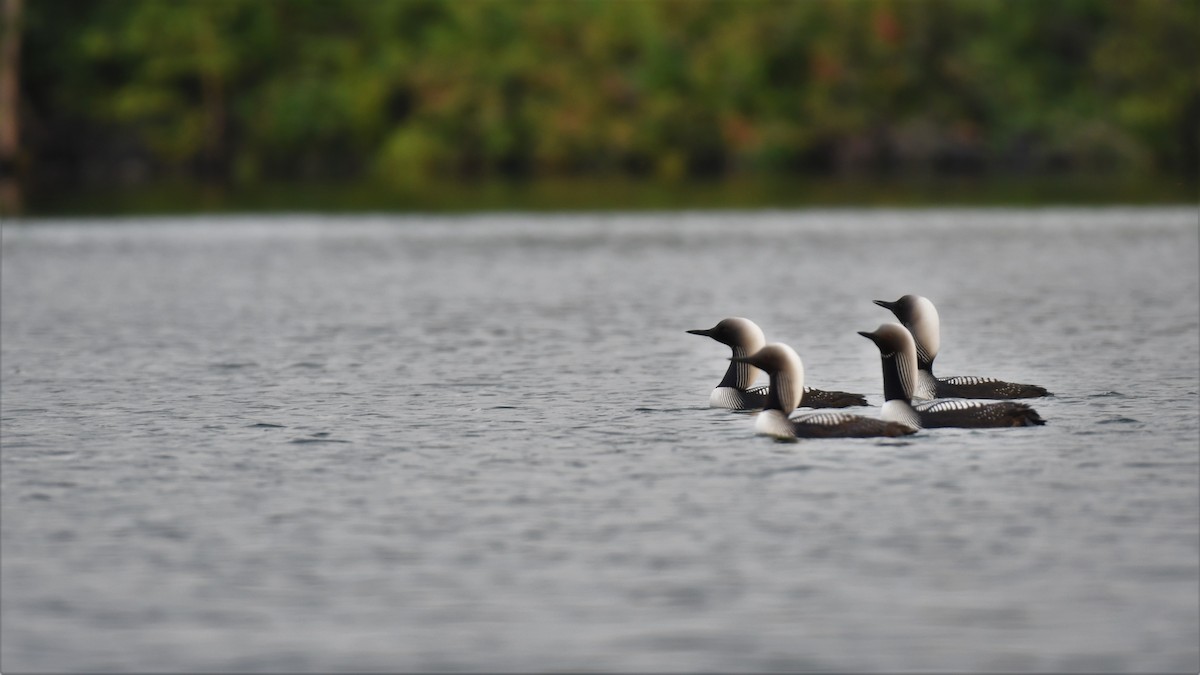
x: 786, y: 371
x: 744, y: 337
x: 920, y: 317
x: 898, y: 352
x: 738, y: 333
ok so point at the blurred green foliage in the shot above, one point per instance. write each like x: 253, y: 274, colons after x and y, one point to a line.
x: 414, y: 91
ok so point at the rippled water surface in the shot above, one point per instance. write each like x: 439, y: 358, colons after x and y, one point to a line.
x: 482, y: 443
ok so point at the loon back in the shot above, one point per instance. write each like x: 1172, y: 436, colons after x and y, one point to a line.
x: 827, y: 425
x: 845, y: 425
x: 755, y: 398
x: 956, y: 412
x: 968, y: 386
x: 962, y: 413
x: 817, y: 398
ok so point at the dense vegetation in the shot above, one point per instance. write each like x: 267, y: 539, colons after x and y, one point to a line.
x: 404, y: 92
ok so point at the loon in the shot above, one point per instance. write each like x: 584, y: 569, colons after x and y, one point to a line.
x: 736, y: 390
x: 898, y: 352
x: 921, y: 318
x: 786, y: 371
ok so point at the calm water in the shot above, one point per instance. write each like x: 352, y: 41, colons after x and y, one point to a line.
x: 481, y: 443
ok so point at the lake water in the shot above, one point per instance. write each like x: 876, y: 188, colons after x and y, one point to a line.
x: 304, y: 443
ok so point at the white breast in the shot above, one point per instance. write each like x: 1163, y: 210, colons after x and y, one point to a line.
x: 774, y: 423
x: 734, y: 399
x: 901, y: 411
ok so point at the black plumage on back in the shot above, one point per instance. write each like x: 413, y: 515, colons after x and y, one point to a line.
x: 977, y: 414
x: 817, y: 398
x: 968, y: 386
x: 844, y: 425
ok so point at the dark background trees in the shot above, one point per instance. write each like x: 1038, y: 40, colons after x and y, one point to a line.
x: 404, y: 93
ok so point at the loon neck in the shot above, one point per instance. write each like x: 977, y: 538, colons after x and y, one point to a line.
x: 786, y: 390
x: 899, y: 377
x: 740, y: 376
x: 926, y: 328
x: 773, y: 402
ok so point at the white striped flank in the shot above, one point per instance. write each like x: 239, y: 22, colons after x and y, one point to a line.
x: 947, y: 404
x: 972, y: 413
x: 828, y: 419
x: 735, y: 399
x: 969, y: 380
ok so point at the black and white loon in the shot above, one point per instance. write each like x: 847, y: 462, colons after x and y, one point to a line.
x: 736, y: 390
x: 898, y: 352
x: 920, y: 317
x: 786, y: 371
